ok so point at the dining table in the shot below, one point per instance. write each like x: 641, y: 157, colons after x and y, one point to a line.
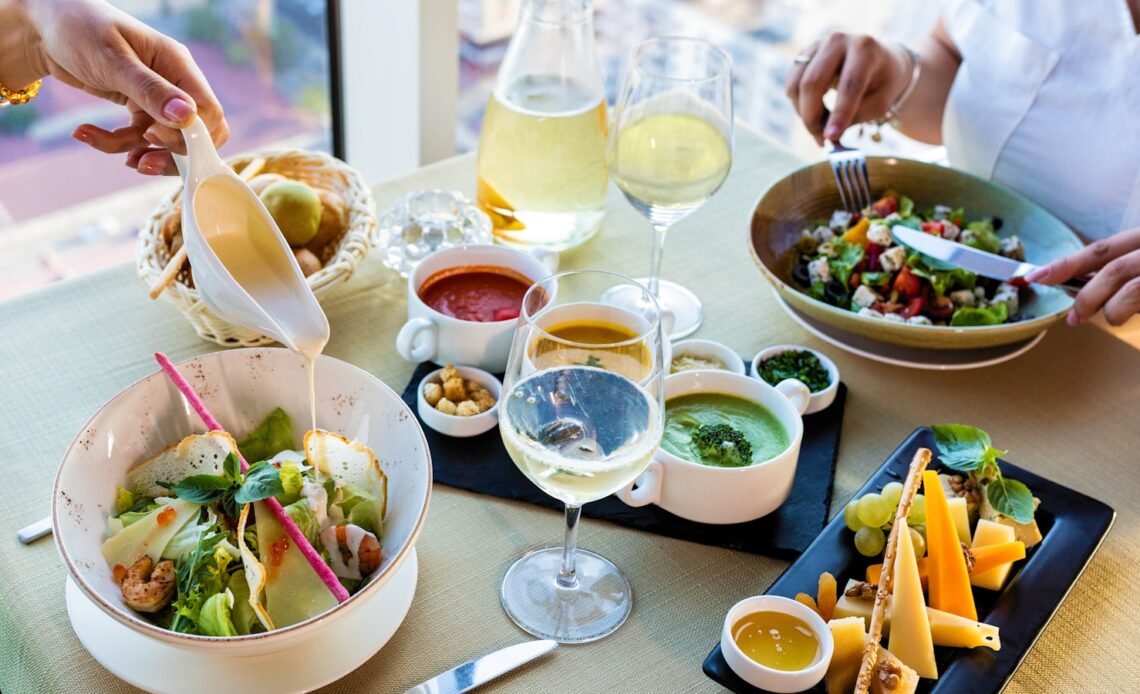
x: 1067, y: 410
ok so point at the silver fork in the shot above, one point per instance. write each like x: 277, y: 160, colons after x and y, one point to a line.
x: 851, y: 177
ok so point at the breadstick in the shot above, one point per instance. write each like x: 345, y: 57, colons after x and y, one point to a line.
x: 878, y: 614
x: 169, y: 272
x: 253, y: 168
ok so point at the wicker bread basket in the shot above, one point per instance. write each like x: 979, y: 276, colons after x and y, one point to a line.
x: 339, y: 257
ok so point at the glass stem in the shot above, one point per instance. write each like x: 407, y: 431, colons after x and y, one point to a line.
x: 566, y: 576
x: 655, y: 263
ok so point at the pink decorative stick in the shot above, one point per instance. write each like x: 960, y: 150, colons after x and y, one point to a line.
x: 323, y: 571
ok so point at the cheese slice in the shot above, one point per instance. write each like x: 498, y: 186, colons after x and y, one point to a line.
x: 949, y: 580
x: 910, y: 634
x: 849, y: 639
x: 148, y: 535
x: 945, y: 629
x: 991, y: 533
x: 961, y: 516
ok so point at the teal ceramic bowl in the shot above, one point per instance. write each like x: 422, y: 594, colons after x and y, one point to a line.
x: 809, y: 193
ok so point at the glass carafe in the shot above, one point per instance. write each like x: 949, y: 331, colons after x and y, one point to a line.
x: 542, y: 152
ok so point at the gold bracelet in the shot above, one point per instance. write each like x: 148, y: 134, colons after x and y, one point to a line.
x: 22, y: 96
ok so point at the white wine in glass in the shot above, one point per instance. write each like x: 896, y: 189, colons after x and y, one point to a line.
x: 581, y: 417
x: 671, y: 148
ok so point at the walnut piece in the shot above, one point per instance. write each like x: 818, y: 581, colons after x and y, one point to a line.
x: 862, y: 589
x: 889, y: 674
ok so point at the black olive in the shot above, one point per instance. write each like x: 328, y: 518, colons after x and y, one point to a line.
x: 835, y: 292
x: 989, y: 285
x: 800, y: 273
x: 996, y: 221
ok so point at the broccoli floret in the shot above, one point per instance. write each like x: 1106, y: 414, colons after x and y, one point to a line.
x: 722, y: 445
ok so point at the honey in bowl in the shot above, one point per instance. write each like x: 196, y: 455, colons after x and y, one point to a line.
x: 481, y: 293
x: 776, y: 640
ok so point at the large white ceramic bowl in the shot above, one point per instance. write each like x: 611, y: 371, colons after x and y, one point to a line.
x: 239, y: 387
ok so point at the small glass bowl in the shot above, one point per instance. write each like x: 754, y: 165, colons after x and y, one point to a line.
x: 425, y: 221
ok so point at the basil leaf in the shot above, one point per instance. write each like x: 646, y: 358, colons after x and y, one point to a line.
x: 201, y: 489
x: 1011, y: 498
x: 231, y: 468
x: 262, y: 481
x: 962, y: 447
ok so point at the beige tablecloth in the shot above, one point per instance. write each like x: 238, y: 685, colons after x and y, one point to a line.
x: 1067, y: 409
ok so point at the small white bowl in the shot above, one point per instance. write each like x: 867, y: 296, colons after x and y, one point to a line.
x: 706, y: 349
x: 819, y: 401
x: 452, y: 424
x: 768, y: 678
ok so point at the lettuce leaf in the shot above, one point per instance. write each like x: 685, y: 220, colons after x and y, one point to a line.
x: 847, y: 257
x: 302, y: 513
x: 980, y: 315
x: 361, y: 508
x: 942, y: 276
x: 242, y: 615
x: 983, y: 236
x: 214, y: 617
x: 200, y: 574
x: 291, y: 482
x: 878, y: 280
x: 274, y: 434
x: 906, y: 206
x: 124, y: 500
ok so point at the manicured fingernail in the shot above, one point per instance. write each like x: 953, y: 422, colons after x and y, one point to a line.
x: 81, y: 135
x: 178, y: 110
x: 1038, y: 274
x: 149, y: 170
x: 1072, y: 319
x: 832, y: 132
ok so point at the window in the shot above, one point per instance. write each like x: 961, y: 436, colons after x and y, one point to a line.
x: 66, y: 209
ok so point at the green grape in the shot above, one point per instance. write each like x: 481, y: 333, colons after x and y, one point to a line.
x: 919, y: 543
x: 891, y: 492
x: 869, y: 541
x: 851, y: 515
x: 917, y: 515
x: 874, y: 510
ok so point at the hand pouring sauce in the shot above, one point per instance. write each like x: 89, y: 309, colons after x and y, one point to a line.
x: 243, y: 268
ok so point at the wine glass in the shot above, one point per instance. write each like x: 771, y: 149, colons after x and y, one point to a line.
x: 581, y: 417
x: 671, y: 148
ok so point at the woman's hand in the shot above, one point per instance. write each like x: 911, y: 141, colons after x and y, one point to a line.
x: 868, y: 76
x: 1114, y: 289
x: 94, y: 47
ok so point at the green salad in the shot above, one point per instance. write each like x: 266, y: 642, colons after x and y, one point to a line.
x: 195, y: 548
x: 853, y: 262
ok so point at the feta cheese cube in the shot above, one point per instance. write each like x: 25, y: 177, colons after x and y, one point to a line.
x: 892, y: 260
x: 869, y: 313
x: 1007, y: 294
x: 840, y: 220
x: 963, y: 297
x: 893, y: 318
x: 822, y: 234
x: 942, y: 212
x: 893, y: 217
x: 979, y: 293
x: 919, y: 320
x: 819, y: 270
x: 880, y: 234
x: 1011, y: 247
x: 950, y: 231
x: 865, y: 296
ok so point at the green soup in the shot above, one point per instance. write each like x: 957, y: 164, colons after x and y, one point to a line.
x: 685, y: 414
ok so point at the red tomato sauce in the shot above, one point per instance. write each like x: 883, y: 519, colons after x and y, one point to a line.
x: 476, y: 293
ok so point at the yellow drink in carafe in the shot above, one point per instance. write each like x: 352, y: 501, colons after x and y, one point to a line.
x: 542, y: 162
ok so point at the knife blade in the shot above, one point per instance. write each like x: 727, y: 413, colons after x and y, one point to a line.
x: 484, y: 669
x: 986, y: 264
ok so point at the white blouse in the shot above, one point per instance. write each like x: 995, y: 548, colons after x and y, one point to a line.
x: 1047, y: 102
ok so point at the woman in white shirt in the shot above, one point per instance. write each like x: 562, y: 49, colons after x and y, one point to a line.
x: 1042, y: 96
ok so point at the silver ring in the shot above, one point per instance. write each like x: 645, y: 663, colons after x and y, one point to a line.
x: 802, y: 59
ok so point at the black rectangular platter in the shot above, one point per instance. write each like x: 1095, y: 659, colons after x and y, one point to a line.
x: 1073, y: 525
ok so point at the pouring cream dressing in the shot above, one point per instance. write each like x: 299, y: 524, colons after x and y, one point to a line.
x: 247, y: 244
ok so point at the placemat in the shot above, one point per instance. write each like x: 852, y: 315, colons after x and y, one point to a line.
x: 481, y: 464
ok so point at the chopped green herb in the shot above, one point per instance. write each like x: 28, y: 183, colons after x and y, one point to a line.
x: 801, y: 365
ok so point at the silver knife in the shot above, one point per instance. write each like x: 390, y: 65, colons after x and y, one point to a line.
x: 484, y: 669
x: 985, y: 264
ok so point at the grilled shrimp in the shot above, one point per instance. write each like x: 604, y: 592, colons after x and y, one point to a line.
x: 148, y: 587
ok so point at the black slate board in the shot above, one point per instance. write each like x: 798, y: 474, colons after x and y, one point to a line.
x: 1074, y: 525
x: 481, y: 464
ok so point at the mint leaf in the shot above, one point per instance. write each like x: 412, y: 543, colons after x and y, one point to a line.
x: 1011, y: 498
x: 262, y: 480
x: 231, y: 468
x: 201, y: 489
x: 962, y: 447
